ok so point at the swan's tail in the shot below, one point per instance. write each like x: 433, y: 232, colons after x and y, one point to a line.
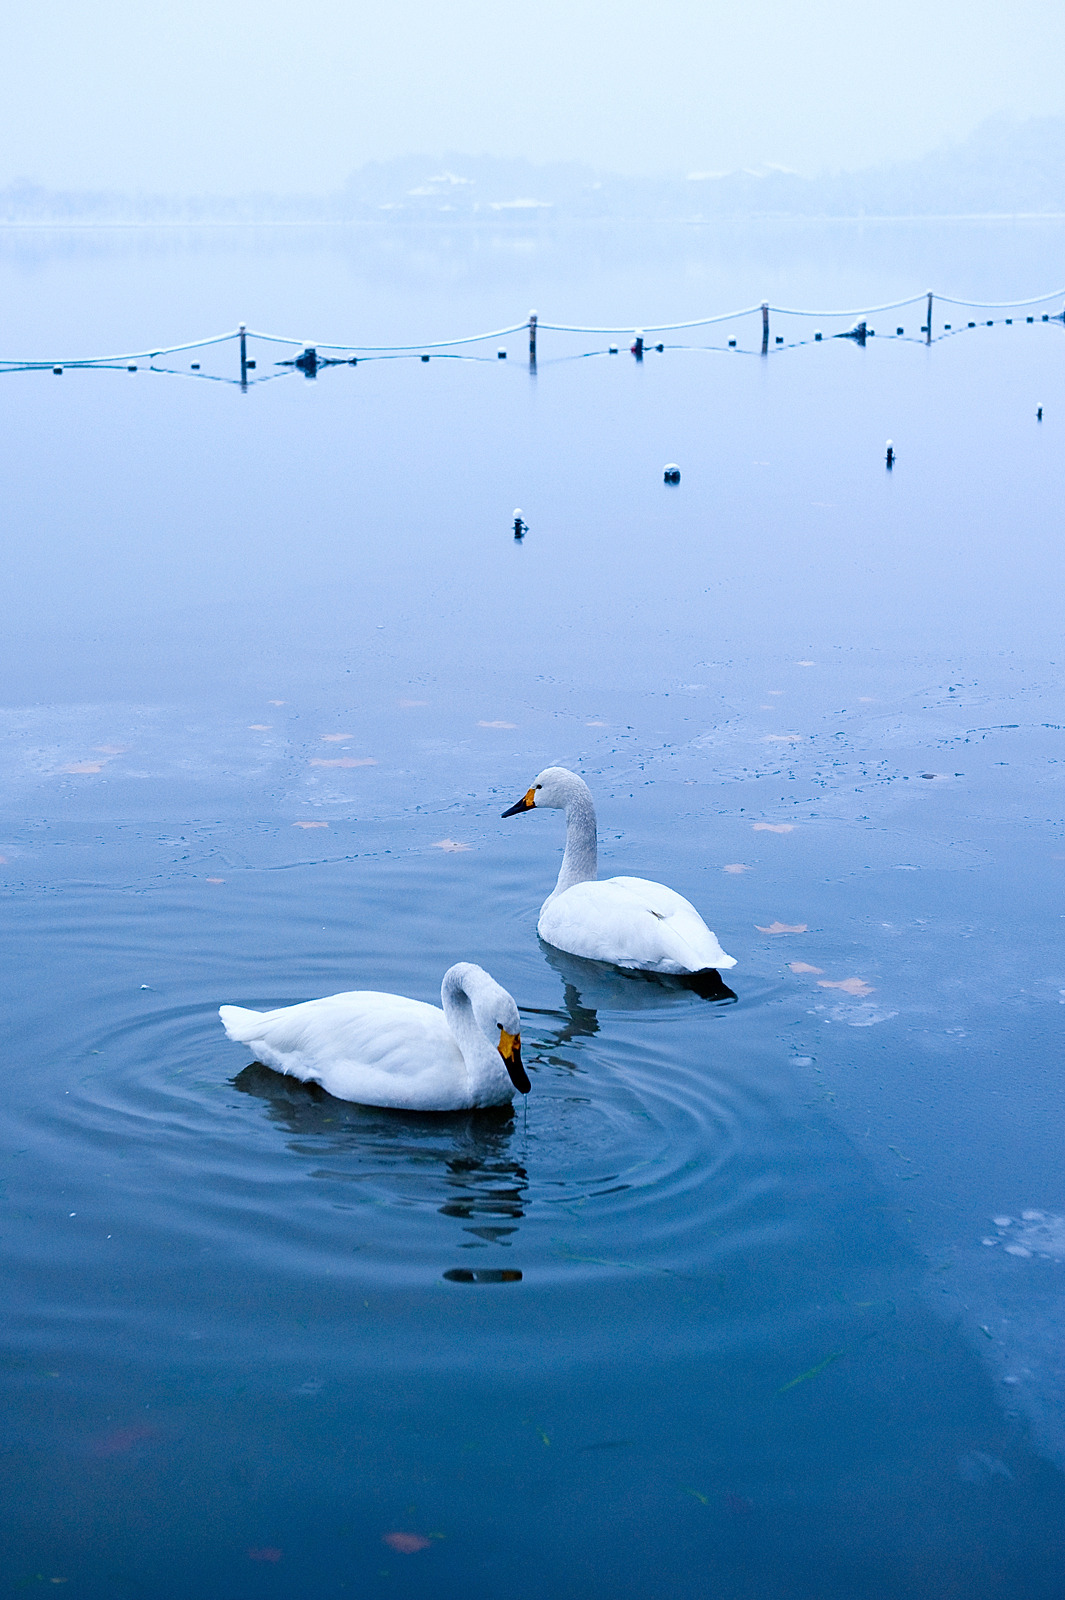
x: 240, y: 1024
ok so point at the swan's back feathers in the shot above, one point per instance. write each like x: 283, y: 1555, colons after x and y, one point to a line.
x: 631, y: 922
x: 378, y: 1049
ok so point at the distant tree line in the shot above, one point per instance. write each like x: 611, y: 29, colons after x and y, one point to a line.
x: 1007, y: 167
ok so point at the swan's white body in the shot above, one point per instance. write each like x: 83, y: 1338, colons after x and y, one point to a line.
x: 630, y: 922
x: 386, y: 1050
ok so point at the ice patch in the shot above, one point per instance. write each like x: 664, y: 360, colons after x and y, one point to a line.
x: 865, y: 1015
x: 1038, y: 1233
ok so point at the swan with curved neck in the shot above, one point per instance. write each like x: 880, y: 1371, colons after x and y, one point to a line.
x: 386, y: 1050
x: 630, y: 922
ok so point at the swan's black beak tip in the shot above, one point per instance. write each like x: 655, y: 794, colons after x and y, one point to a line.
x: 526, y: 803
x: 518, y: 1076
x: 510, y: 1050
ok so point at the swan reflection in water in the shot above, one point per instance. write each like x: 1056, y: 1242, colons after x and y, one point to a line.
x: 602, y: 986
x: 460, y: 1165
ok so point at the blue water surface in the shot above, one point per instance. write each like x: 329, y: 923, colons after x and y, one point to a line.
x: 754, y: 1299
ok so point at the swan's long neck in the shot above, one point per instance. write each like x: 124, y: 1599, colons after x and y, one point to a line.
x: 580, y: 864
x: 456, y: 999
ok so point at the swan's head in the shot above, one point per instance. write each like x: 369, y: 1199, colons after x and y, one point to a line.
x: 555, y: 788
x: 496, y: 1014
x: 497, y: 1017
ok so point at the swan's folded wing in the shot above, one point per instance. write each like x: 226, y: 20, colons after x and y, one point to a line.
x: 359, y: 1045
x: 632, y: 922
x: 681, y: 920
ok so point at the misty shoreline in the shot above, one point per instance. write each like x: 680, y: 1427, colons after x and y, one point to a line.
x: 1006, y: 170
x: 61, y: 225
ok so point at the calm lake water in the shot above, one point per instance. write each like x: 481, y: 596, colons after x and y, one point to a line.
x: 752, y: 1300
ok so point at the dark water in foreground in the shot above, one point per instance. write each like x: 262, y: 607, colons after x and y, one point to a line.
x: 717, y: 1317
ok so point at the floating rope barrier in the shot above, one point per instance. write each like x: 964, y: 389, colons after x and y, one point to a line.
x: 866, y: 311
x: 390, y: 349
x: 661, y: 327
x: 309, y: 360
x: 1001, y: 305
x: 135, y: 355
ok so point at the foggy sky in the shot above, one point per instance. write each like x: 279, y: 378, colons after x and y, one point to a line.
x: 201, y: 96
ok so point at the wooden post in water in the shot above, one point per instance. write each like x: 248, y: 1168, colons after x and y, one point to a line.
x: 765, y: 327
x: 928, y: 320
x: 532, y: 338
x: 243, y: 358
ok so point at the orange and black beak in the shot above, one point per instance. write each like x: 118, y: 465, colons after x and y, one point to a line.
x: 510, y: 1049
x: 526, y: 803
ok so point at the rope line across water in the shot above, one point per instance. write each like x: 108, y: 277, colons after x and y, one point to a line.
x: 857, y: 311
x: 519, y: 327
x: 1001, y: 305
x: 376, y: 349
x: 660, y: 327
x: 134, y: 355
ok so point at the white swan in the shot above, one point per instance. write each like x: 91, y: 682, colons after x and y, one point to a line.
x: 630, y: 922
x: 386, y: 1050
